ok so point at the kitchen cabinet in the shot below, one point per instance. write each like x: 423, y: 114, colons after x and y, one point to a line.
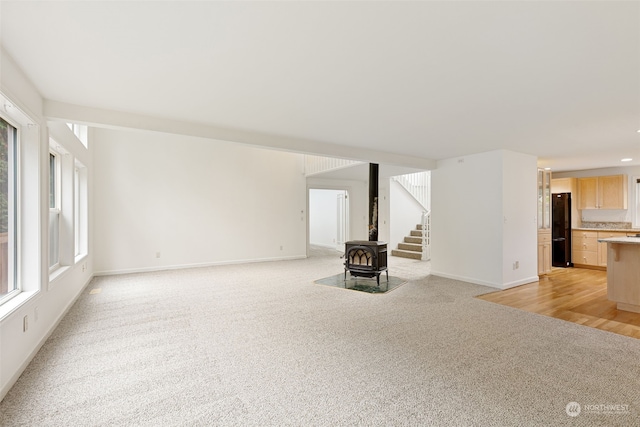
x: 602, y: 192
x: 563, y: 185
x: 602, y: 246
x: 568, y: 185
x: 623, y: 271
x: 586, y: 251
x: 584, y: 248
x: 544, y: 199
x: 544, y: 252
x: 544, y: 222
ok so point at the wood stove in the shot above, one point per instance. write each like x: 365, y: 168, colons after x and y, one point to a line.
x: 365, y: 258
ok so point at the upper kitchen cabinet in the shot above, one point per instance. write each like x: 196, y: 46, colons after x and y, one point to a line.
x: 568, y: 185
x: 603, y: 192
x: 564, y: 185
x: 544, y: 199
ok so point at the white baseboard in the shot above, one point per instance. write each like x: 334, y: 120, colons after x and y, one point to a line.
x: 14, y: 378
x: 513, y: 284
x: 324, y: 246
x: 196, y: 265
x: 500, y: 286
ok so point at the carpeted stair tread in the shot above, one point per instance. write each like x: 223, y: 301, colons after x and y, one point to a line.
x: 406, y: 254
x: 415, y: 247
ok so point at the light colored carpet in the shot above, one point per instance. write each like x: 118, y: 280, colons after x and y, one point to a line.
x: 261, y: 344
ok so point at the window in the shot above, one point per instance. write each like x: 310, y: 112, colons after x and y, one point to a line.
x: 20, y: 203
x: 80, y: 131
x: 54, y: 210
x: 80, y: 210
x: 636, y: 208
x: 8, y: 190
x: 68, y: 204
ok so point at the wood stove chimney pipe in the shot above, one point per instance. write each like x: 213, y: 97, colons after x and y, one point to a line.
x: 373, y: 202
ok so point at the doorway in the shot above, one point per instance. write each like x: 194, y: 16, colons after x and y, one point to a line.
x: 328, y: 218
x: 636, y: 208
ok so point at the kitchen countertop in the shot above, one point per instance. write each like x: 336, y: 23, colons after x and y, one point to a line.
x: 623, y: 230
x: 628, y: 240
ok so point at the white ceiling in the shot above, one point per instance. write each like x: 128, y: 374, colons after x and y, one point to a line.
x: 559, y: 80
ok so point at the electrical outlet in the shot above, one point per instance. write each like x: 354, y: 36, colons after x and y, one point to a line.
x: 157, y: 254
x: 35, y: 314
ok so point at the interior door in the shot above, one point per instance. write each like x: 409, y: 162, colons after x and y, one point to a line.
x: 342, y: 203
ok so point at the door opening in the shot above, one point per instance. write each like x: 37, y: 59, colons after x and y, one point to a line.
x: 342, y: 211
x: 328, y: 218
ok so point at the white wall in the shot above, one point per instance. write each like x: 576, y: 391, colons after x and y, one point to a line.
x: 519, y: 210
x: 47, y: 302
x: 483, y: 213
x: 323, y: 217
x: 194, y: 201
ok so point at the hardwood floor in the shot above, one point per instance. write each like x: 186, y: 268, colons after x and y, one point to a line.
x: 573, y: 294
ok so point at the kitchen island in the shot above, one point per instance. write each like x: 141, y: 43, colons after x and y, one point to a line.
x: 623, y: 272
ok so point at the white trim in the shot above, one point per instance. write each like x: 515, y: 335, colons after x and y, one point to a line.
x: 57, y: 274
x: 635, y: 208
x: 14, y: 378
x: 483, y: 283
x: 11, y: 305
x: 14, y: 199
x: 196, y: 265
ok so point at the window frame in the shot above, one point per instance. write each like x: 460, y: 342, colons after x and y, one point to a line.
x: 71, y: 208
x: 55, y: 208
x: 29, y: 205
x: 80, y: 211
x: 635, y: 208
x: 13, y: 227
x: 81, y: 132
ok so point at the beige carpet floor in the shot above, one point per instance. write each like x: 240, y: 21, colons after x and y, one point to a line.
x: 262, y: 345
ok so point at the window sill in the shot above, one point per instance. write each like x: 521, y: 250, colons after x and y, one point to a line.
x: 57, y: 274
x: 80, y: 257
x: 15, y: 303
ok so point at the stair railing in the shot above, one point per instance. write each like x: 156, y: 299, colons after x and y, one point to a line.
x: 426, y: 235
x: 418, y: 185
x: 318, y: 164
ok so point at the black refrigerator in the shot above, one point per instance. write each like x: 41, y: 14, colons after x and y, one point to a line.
x: 561, y: 230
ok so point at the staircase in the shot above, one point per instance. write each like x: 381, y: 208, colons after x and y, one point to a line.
x: 418, y: 244
x: 412, y: 245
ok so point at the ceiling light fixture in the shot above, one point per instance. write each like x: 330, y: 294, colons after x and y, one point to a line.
x: 626, y: 160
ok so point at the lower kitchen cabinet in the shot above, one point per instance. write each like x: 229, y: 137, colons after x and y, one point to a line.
x: 544, y: 252
x: 586, y: 251
x: 584, y: 248
x: 602, y: 246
